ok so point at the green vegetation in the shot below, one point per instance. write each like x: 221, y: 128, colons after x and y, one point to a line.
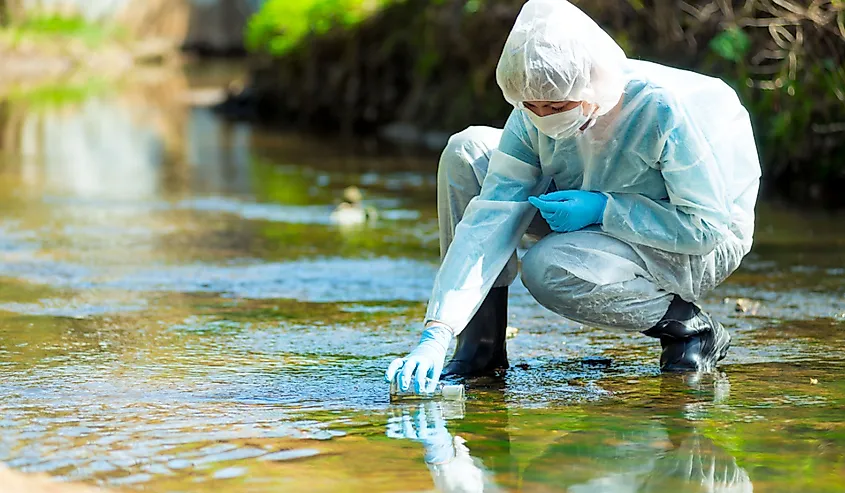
x: 787, y: 64
x: 55, y: 59
x: 55, y: 28
x: 55, y: 94
x: 281, y: 24
x: 432, y: 64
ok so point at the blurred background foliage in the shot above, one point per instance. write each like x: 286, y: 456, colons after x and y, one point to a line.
x: 212, y: 26
x: 281, y: 24
x: 359, y: 65
x: 53, y: 26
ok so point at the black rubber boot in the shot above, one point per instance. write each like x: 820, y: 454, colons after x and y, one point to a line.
x: 691, y: 339
x: 481, y: 347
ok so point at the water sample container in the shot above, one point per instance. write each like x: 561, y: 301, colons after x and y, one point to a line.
x: 442, y: 391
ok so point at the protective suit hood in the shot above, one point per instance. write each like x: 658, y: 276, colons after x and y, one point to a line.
x: 555, y: 52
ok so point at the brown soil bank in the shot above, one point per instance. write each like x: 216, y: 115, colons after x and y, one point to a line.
x: 61, y: 39
x: 214, y: 26
x: 16, y: 482
x: 432, y: 65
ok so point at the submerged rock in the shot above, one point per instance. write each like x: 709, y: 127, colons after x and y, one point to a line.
x: 352, y: 210
x: 743, y: 305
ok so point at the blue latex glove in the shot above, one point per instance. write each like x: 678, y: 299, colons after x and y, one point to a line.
x: 570, y: 210
x: 424, y: 363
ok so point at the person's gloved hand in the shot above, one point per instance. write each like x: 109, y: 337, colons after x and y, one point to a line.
x: 570, y: 210
x: 424, y: 363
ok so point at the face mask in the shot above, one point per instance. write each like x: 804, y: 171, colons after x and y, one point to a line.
x: 560, y: 125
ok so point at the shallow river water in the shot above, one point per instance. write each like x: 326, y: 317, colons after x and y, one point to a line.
x: 178, y: 313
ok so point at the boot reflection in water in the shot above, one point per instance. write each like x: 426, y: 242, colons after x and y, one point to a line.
x: 695, y: 463
x: 621, y: 449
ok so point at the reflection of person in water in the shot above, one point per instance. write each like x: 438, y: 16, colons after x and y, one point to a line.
x: 447, y: 457
x: 695, y: 464
x: 657, y: 456
x: 597, y: 451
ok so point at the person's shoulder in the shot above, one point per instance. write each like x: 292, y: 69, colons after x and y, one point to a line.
x: 669, y: 87
x: 650, y: 84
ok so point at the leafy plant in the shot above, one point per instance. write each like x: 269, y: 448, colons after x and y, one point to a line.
x: 731, y: 44
x: 281, y: 24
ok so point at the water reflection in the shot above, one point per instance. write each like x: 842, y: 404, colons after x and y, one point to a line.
x: 447, y: 456
x: 136, y: 144
x: 660, y: 448
x: 695, y: 464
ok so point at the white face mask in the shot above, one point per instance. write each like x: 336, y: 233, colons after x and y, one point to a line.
x: 560, y: 125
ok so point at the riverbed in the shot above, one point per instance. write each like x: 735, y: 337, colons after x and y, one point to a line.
x: 178, y: 312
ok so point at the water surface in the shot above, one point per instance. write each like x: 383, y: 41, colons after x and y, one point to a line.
x: 178, y: 313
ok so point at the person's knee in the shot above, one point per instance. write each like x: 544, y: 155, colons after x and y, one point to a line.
x: 635, y: 303
x: 542, y: 276
x: 460, y: 157
x: 550, y: 283
x: 533, y: 271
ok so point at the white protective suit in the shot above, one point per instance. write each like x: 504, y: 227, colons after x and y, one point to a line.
x: 672, y: 150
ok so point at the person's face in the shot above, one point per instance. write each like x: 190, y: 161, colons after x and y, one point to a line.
x: 546, y: 108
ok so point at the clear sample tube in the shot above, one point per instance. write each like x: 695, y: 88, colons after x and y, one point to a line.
x: 441, y: 391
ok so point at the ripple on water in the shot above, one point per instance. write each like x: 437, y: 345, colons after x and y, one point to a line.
x: 312, y: 214
x: 229, y: 473
x: 377, y: 279
x: 70, y: 308
x: 286, y: 455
